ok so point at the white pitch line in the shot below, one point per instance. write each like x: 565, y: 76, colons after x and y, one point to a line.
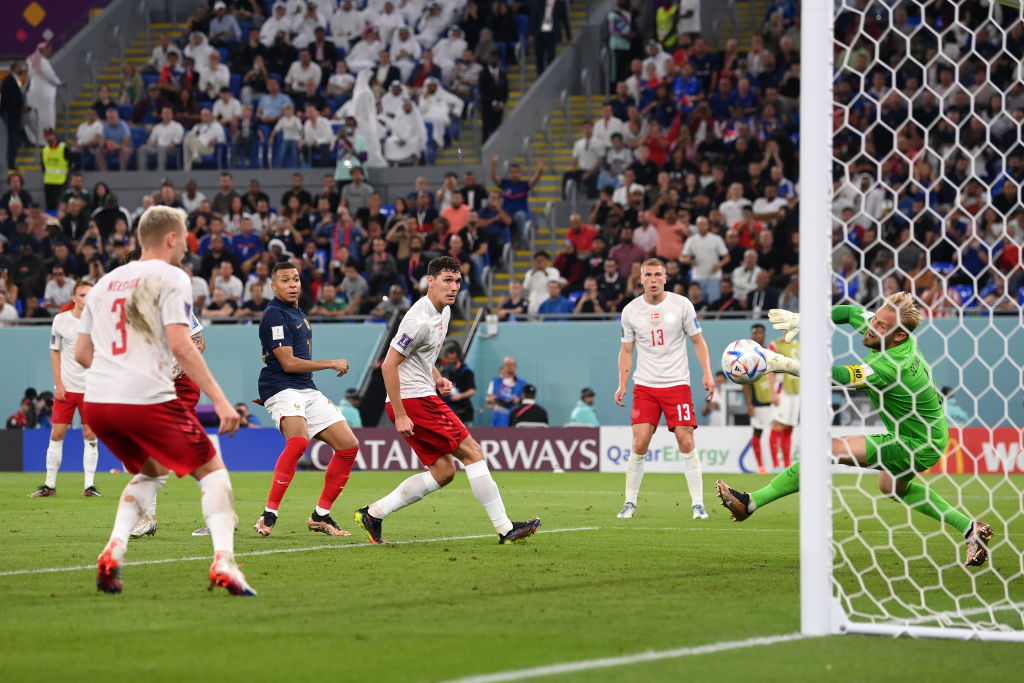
x: 276, y: 551
x: 625, y: 660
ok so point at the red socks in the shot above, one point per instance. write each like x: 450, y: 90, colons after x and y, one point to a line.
x: 336, y: 476
x: 755, y: 443
x: 787, y: 446
x: 285, y: 470
x: 774, y: 443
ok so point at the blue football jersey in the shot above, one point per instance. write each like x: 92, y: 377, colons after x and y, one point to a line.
x: 284, y: 325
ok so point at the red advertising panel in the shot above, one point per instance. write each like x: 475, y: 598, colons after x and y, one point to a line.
x: 981, y: 450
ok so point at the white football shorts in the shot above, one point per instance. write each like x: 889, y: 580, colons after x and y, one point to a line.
x: 788, y: 410
x: 309, y: 404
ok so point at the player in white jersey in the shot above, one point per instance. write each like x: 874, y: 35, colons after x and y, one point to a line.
x: 657, y: 324
x: 69, y: 390
x: 134, y: 326
x: 435, y: 433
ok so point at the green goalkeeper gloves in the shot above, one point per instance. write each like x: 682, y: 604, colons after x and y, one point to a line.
x: 786, y: 321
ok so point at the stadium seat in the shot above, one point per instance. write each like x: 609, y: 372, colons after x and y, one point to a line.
x: 223, y: 52
x: 523, y: 29
x: 148, y: 79
x: 125, y: 111
x: 236, y: 84
x: 1020, y: 296
x: 943, y: 267
x: 575, y: 296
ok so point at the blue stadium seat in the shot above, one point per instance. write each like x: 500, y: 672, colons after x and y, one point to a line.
x: 125, y: 111
x: 523, y: 28
x: 148, y: 79
x: 224, y: 52
x: 989, y: 289
x: 139, y: 136
x: 573, y: 297
x: 1020, y: 296
x: 244, y: 28
x: 966, y: 293
x: 236, y: 85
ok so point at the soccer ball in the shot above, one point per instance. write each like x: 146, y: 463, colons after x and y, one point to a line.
x: 743, y: 361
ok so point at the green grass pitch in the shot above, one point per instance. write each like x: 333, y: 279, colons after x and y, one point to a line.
x: 337, y: 609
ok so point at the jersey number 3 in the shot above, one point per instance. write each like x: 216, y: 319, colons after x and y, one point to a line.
x: 658, y: 337
x: 118, y: 309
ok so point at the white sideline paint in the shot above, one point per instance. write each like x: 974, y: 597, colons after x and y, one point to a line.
x: 276, y: 551
x: 625, y: 660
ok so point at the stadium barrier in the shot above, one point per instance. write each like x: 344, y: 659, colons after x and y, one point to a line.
x: 724, y: 450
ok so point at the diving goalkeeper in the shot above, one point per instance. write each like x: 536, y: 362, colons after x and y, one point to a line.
x: 899, y: 384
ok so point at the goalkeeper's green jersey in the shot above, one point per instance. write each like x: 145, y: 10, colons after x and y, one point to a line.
x: 898, y: 382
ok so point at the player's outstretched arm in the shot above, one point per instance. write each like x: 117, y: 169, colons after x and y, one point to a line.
x: 625, y: 367
x: 393, y: 385
x: 289, y: 363
x: 191, y: 361
x: 857, y: 317
x: 786, y: 321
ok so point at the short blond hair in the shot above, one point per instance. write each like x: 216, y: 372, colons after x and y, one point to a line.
x: 903, y: 304
x: 653, y: 261
x: 156, y: 222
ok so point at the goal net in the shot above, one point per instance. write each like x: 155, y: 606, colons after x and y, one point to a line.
x: 927, y: 167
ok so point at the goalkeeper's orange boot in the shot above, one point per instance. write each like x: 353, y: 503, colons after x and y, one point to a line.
x: 736, y: 502
x: 977, y: 544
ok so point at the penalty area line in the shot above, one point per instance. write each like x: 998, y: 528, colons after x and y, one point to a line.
x: 281, y: 551
x: 626, y: 660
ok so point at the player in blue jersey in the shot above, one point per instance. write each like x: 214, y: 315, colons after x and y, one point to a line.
x: 297, y: 408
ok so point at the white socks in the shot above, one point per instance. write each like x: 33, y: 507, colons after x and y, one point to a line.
x: 219, y: 510
x: 486, y: 492
x: 407, y: 493
x: 634, y: 475
x: 90, y: 456
x: 54, y: 453
x: 134, y: 500
x: 691, y: 468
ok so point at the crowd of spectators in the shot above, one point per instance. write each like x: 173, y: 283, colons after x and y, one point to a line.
x: 364, y: 83
x: 356, y: 255
x: 694, y: 160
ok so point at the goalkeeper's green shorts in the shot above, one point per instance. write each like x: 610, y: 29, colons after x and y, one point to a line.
x: 902, y: 458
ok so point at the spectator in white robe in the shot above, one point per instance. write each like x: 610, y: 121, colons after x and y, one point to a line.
x: 405, y: 51
x: 448, y: 51
x: 41, y: 98
x: 386, y: 19
x: 392, y: 100
x: 198, y: 49
x: 364, y: 53
x: 431, y: 25
x: 346, y: 25
x: 277, y: 23
x: 438, y: 106
x: 305, y: 26
x: 408, y: 138
x: 363, y: 108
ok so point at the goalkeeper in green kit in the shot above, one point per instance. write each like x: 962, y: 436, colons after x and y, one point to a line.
x: 898, y: 381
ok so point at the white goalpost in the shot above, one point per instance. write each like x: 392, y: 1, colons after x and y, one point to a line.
x: 912, y: 178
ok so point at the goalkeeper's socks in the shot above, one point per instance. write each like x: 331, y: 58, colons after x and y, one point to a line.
x: 786, y: 483
x: 926, y: 501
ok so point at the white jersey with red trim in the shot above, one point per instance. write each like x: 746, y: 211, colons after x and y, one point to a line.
x: 125, y: 314
x: 63, y: 335
x: 419, y: 339
x: 659, y: 332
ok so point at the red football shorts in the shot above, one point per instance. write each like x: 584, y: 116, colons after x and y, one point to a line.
x: 436, y: 429
x: 675, y: 402
x: 169, y: 433
x: 187, y: 390
x: 64, y: 411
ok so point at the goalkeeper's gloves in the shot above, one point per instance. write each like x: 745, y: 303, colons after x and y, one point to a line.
x: 779, y: 363
x: 785, y: 320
